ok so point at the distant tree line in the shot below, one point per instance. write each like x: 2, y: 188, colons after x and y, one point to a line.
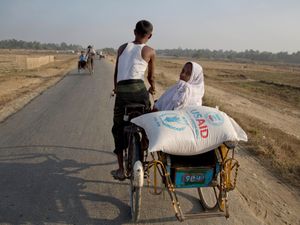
x: 249, y: 55
x: 19, y: 44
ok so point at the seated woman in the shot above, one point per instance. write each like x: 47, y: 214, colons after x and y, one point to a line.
x: 81, y: 61
x: 188, y: 91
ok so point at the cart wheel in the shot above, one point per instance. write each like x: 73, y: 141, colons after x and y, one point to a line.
x: 208, y: 197
x: 135, y: 189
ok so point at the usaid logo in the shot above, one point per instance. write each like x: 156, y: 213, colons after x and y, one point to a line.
x: 173, y: 121
x: 214, y: 118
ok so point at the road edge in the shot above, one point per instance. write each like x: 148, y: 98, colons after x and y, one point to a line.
x: 21, y: 101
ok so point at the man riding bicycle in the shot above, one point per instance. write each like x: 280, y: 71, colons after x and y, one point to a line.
x: 90, y: 54
x: 132, y: 61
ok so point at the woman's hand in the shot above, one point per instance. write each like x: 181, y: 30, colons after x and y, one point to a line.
x: 151, y: 90
x: 154, y: 109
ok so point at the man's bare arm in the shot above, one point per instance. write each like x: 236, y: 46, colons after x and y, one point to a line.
x: 115, y: 75
x: 120, y: 51
x: 151, y: 73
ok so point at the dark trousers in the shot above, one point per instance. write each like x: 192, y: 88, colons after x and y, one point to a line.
x: 128, y: 92
x: 81, y: 65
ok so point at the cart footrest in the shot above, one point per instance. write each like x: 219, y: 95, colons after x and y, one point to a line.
x: 204, y: 215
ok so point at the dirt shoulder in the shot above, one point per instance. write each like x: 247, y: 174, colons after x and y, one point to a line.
x: 19, y: 86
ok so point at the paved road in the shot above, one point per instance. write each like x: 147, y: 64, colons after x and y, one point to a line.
x: 56, y: 157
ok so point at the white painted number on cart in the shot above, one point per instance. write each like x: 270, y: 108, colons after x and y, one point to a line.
x: 193, y: 178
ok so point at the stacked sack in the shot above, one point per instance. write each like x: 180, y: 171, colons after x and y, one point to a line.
x: 190, y: 131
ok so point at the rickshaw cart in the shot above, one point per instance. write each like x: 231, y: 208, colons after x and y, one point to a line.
x: 213, y: 174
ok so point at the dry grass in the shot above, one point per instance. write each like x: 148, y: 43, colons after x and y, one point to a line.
x: 16, y: 82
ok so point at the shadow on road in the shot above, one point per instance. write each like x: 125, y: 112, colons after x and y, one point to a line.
x: 43, y: 185
x: 40, y: 188
x: 81, y: 74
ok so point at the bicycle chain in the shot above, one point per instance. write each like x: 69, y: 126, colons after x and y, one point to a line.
x: 232, y: 185
x: 236, y: 173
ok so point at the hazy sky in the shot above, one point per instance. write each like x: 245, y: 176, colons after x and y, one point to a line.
x: 265, y: 25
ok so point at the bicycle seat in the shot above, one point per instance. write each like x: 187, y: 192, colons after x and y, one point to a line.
x: 133, y: 110
x: 132, y: 129
x: 134, y: 105
x: 230, y: 144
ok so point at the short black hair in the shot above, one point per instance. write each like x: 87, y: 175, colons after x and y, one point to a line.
x: 143, y: 27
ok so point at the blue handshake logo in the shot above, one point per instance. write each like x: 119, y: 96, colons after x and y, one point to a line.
x: 173, y: 121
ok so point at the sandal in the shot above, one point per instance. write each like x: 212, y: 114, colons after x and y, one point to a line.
x: 118, y: 175
x: 113, y: 172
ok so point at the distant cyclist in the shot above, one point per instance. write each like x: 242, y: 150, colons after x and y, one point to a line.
x: 90, y: 54
x: 82, y: 61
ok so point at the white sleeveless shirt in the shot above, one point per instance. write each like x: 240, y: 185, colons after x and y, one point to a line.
x: 131, y: 64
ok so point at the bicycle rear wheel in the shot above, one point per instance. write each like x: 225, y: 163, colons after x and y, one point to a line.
x: 135, y: 190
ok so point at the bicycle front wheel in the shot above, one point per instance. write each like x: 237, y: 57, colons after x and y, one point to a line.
x: 135, y: 201
x: 135, y: 187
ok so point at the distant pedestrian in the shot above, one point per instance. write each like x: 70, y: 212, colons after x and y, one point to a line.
x: 90, y: 54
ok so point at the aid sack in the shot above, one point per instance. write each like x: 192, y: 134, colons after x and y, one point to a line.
x: 190, y: 131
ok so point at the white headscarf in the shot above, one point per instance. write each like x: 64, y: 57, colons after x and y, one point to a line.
x: 183, y: 93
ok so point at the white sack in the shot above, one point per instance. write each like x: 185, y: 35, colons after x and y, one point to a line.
x: 190, y: 131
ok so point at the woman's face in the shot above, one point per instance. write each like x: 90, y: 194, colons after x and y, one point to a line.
x: 186, y: 72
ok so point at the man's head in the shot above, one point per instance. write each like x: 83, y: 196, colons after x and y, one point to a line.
x: 143, y: 29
